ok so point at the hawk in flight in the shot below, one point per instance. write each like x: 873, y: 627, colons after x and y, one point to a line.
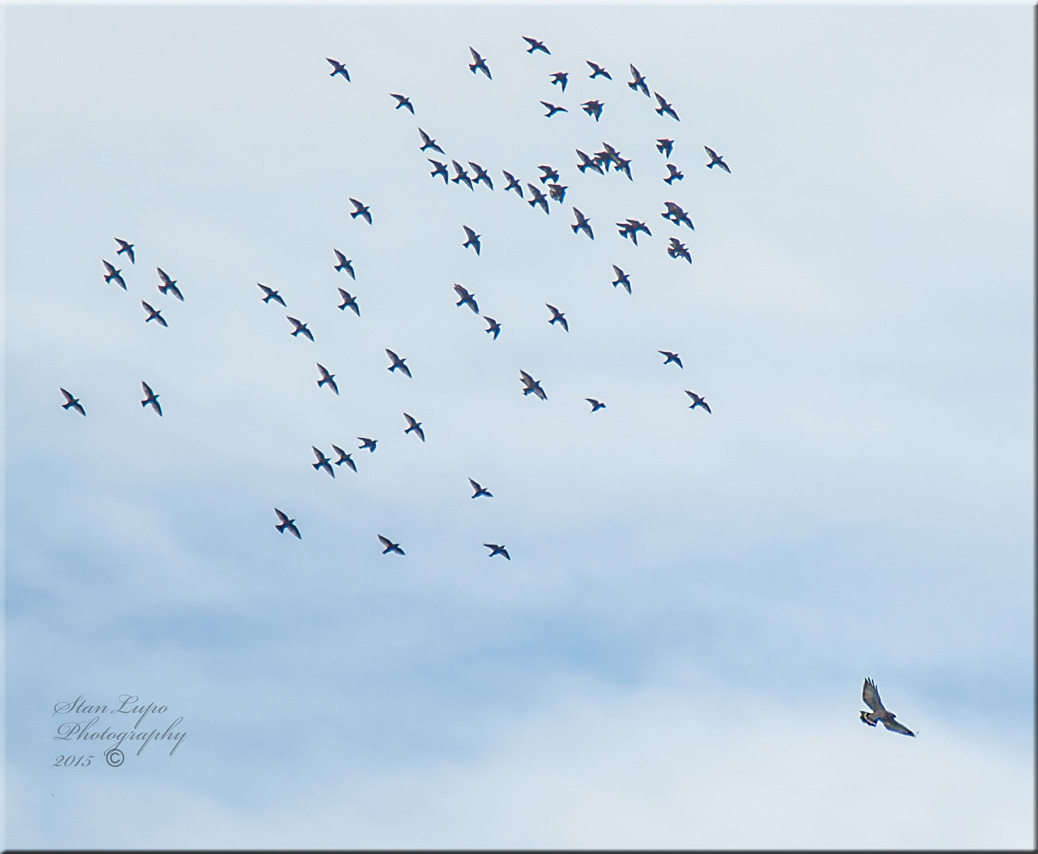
x: 870, y: 694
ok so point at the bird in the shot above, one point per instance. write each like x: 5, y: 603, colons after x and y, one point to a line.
x: 538, y: 197
x: 582, y: 223
x: 472, y: 239
x: 414, y: 427
x: 466, y: 298
x: 716, y: 160
x: 344, y: 458
x: 344, y: 264
x: 677, y: 249
x: 587, y: 162
x: 497, y: 550
x: 72, y: 402
x: 270, y: 294
x: 513, y: 183
x: 559, y: 78
x: 390, y: 546
x: 550, y: 174
x: 397, y: 363
x: 125, y: 247
x: 478, y: 490
x: 461, y: 176
x: 671, y: 357
x: 492, y: 326
x: 623, y: 165
x: 597, y: 70
x: 112, y: 274
x: 665, y: 108
x: 429, y: 143
x: 439, y: 169
x: 631, y: 227
x: 870, y: 694
x: 621, y: 279
x: 326, y: 378
x: 557, y: 192
x: 593, y: 108
x: 154, y: 314
x: 300, y: 327
x: 557, y: 317
x: 403, y: 101
x: 675, y: 174
x: 534, y: 44
x: 665, y: 146
x: 696, y: 400
x: 150, y: 398
x: 368, y: 443
x: 360, y: 209
x: 638, y: 82
x: 478, y: 63
x: 287, y: 524
x: 339, y: 68
x: 481, y: 175
x: 169, y: 286
x: 552, y: 109
x: 595, y: 404
x: 322, y: 462
x: 532, y: 385
x: 676, y: 214
x: 349, y: 301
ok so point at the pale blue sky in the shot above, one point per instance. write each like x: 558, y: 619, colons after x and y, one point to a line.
x: 674, y: 654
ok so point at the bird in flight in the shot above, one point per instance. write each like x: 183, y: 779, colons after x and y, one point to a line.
x: 552, y: 109
x: 532, y: 385
x: 368, y: 443
x: 169, y: 286
x: 403, y: 101
x: 696, y: 399
x: 671, y: 357
x: 665, y: 146
x: 497, y: 550
x: 492, y: 326
x: 538, y: 197
x: 112, y: 274
x: 414, y: 427
x: 270, y: 294
x: 349, y: 301
x: 471, y: 239
x: 534, y: 44
x: 150, y: 398
x: 597, y: 70
x: 439, y: 169
x: 390, y: 546
x: 478, y: 63
x: 125, y: 247
x: 593, y: 108
x: 154, y: 314
x: 550, y: 174
x: 638, y: 82
x: 344, y: 458
x: 675, y: 174
x: 300, y: 328
x: 481, y: 175
x: 587, y: 162
x: 716, y: 160
x: 478, y: 490
x: 624, y: 165
x: 287, y: 524
x: 557, y: 317
x: 338, y: 68
x: 461, y: 175
x: 621, y: 279
x: 429, y: 143
x: 397, y: 363
x: 466, y: 298
x: 557, y: 192
x: 676, y: 214
x: 870, y: 694
x: 665, y: 108
x: 344, y: 263
x: 326, y: 378
x: 677, y: 249
x: 582, y: 223
x: 360, y: 209
x: 72, y: 403
x: 513, y: 183
x: 595, y: 404
x: 322, y: 462
x: 559, y: 78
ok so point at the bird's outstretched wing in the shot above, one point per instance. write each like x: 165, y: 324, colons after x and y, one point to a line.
x: 895, y: 726
x: 870, y: 694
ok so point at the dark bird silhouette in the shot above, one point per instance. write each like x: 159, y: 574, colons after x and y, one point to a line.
x: 559, y: 78
x: 665, y: 146
x: 478, y: 63
x: 111, y: 274
x: 360, y: 209
x: 676, y: 214
x: 150, y: 398
x: 493, y: 326
x: 344, y: 263
x: 72, y: 403
x: 593, y: 108
x: 587, y: 162
x: 870, y: 694
x: 631, y: 227
x: 597, y: 70
x: 481, y: 175
x: 429, y: 143
x: 513, y: 183
x: 534, y: 44
x: 582, y: 223
x: 270, y: 294
x: 439, y: 169
x: 550, y: 174
x: 677, y: 249
x: 696, y: 400
x: 595, y: 404
x: 478, y: 490
x: 466, y: 298
x: 414, y: 427
x: 675, y: 174
x: 397, y: 363
x: 368, y: 443
x: 497, y: 550
x: 461, y: 176
x: 531, y: 385
x: 471, y: 239
x: 326, y: 378
x: 552, y: 109
x: 638, y: 82
x: 169, y: 286
x: 621, y: 279
x: 154, y: 314
x: 300, y: 328
x: 349, y: 301
x: 716, y: 160
x: 557, y: 317
x: 287, y: 524
x: 623, y: 165
x: 671, y: 357
x: 665, y: 108
x: 125, y: 247
x: 390, y: 546
x: 322, y: 462
x: 538, y: 197
x: 339, y: 68
x: 344, y: 458
x: 403, y: 101
x: 557, y: 192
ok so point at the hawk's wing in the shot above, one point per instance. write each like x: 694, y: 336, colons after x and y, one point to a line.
x: 894, y: 726
x: 870, y: 694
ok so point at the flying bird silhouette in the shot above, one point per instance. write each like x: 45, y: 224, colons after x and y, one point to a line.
x: 360, y: 209
x: 414, y: 427
x: 344, y: 263
x: 492, y: 326
x: 665, y: 108
x: 638, y: 82
x: 550, y: 174
x: 403, y: 101
x: 671, y: 357
x: 677, y: 249
x: 466, y: 298
x: 538, y: 197
x: 300, y: 327
x: 531, y: 385
x: 870, y: 694
x: 665, y: 146
x: 322, y: 462
x: 497, y: 550
x: 390, y: 546
x: 676, y: 214
x: 557, y: 317
x: 597, y: 70
x: 481, y: 175
x: 150, y: 398
x: 326, y: 378
x: 368, y: 443
x: 716, y: 160
x: 397, y: 363
x: 344, y: 458
x: 513, y: 183
x: 631, y: 227
x: 439, y: 169
x: 461, y: 176
x: 72, y: 403
x: 587, y: 162
x: 582, y: 223
x: 428, y: 143
x: 478, y: 490
x: 557, y: 192
x: 169, y: 286
x: 125, y: 247
x: 675, y: 174
x: 270, y: 294
x: 154, y: 314
x: 534, y: 44
x: 595, y: 404
x: 338, y: 68
x: 552, y: 109
x: 559, y: 78
x: 593, y: 108
x: 111, y: 274
x: 471, y: 239
x: 287, y: 524
x: 478, y: 63
x: 696, y: 400
x: 349, y: 301
x: 621, y: 279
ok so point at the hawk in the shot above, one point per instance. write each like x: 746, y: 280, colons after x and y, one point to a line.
x: 870, y: 694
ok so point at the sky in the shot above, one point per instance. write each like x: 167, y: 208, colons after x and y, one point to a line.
x: 673, y: 655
